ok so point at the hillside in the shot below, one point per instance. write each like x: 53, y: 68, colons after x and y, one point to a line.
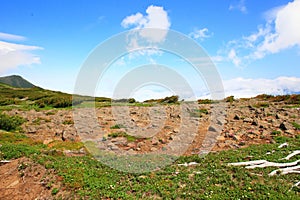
x: 44, y: 146
x: 16, y: 81
x: 44, y: 153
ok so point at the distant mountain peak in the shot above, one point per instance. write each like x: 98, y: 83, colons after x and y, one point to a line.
x: 16, y: 81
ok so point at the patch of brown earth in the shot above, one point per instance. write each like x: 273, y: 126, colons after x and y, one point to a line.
x: 24, y: 179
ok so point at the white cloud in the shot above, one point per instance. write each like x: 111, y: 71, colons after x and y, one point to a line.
x: 13, y: 55
x: 156, y: 18
x: 271, y: 14
x: 200, y: 34
x: 11, y: 37
x: 287, y: 30
x: 241, y: 87
x: 233, y: 57
x: 281, y: 31
x: 240, y: 6
x: 137, y: 20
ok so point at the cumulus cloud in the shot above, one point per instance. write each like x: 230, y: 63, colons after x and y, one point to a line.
x: 200, y: 34
x: 281, y: 31
x: 155, y: 18
x: 240, y: 6
x: 242, y: 87
x: 287, y: 29
x: 13, y: 55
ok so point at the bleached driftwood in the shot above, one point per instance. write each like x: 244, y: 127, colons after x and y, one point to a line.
x: 188, y: 164
x: 5, y: 161
x: 283, y: 145
x: 263, y: 163
x: 291, y: 155
x: 254, y: 162
x: 273, y: 164
x: 285, y: 168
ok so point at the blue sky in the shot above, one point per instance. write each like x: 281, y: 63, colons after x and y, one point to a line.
x: 253, y: 44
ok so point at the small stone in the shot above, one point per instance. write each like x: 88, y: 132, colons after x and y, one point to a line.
x: 31, y: 130
x: 221, y: 145
x: 211, y: 128
x: 47, y: 141
x: 254, y: 123
x: 236, y: 117
x: 282, y: 126
x: 154, y: 141
x: 248, y: 120
x: 131, y: 145
x: 261, y: 126
x: 236, y: 137
x: 221, y: 138
x: 153, y: 149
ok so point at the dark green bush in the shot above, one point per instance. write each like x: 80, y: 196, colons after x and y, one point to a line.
x: 131, y: 100
x: 10, y: 123
x: 57, y: 102
x: 205, y: 101
x: 229, y: 99
x: 117, y: 126
x: 8, y: 101
x: 171, y: 99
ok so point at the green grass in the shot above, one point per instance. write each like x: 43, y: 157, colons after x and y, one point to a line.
x: 129, y: 138
x: 117, y: 126
x: 68, y: 122
x: 54, y: 191
x: 198, y: 112
x: 212, y: 178
x: 292, y: 106
x: 274, y: 133
x: 66, y: 145
x: 261, y: 105
x: 296, y: 125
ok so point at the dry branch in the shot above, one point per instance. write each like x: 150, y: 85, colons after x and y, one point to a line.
x: 188, y: 164
x: 285, y: 168
x: 283, y: 145
x: 291, y: 155
x: 5, y: 161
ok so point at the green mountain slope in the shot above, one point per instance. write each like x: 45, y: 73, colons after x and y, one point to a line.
x: 16, y: 81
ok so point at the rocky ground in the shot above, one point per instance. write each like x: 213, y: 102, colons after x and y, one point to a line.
x: 146, y: 129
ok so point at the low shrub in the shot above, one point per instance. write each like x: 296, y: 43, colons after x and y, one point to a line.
x: 10, y: 123
x: 171, y: 99
x: 229, y: 99
x: 117, y: 126
x: 57, y: 102
x: 205, y: 101
x: 261, y: 105
x: 129, y: 138
x: 7, y: 101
